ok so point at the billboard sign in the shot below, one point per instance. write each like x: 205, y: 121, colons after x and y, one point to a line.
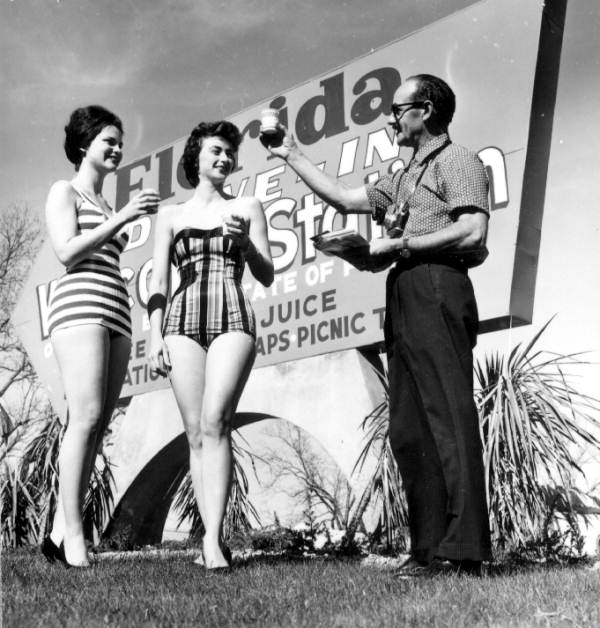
x: 320, y: 304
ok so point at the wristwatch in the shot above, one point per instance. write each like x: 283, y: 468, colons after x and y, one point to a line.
x: 405, y: 252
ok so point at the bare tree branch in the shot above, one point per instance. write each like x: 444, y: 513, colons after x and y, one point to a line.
x: 315, y: 483
x: 20, y: 238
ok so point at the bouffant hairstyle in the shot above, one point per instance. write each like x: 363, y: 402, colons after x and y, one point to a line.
x: 436, y: 90
x: 224, y: 129
x: 84, y: 124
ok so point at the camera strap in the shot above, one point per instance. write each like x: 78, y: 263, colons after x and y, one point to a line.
x: 397, y: 214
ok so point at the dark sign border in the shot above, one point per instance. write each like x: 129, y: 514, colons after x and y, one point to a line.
x: 535, y: 172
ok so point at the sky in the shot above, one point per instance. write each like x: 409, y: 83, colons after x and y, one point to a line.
x: 164, y: 65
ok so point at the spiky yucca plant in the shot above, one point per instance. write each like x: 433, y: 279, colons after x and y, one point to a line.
x: 18, y: 520
x: 29, y: 479
x: 29, y: 484
x: 383, y: 490
x: 534, y: 424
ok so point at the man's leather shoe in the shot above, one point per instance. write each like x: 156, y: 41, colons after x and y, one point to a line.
x: 410, y: 568
x: 438, y: 567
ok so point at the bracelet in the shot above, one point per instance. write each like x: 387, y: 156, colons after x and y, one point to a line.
x: 156, y: 302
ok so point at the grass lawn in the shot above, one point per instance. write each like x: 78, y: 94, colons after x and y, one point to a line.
x: 284, y: 592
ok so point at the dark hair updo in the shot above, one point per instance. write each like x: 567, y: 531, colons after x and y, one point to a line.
x: 223, y: 129
x: 84, y: 124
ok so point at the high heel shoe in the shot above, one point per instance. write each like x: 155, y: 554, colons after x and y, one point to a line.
x: 62, y: 556
x: 63, y: 559
x: 227, y: 554
x: 222, y: 568
x: 50, y: 550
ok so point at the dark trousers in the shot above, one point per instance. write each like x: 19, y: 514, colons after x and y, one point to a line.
x: 431, y: 328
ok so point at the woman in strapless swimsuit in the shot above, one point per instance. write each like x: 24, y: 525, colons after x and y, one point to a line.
x: 89, y: 320
x: 205, y: 340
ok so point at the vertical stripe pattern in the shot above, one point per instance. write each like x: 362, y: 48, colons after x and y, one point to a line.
x: 93, y: 290
x: 209, y: 300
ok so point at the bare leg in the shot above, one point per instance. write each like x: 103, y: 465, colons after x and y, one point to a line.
x: 116, y: 369
x: 120, y: 348
x: 188, y: 361
x: 207, y: 386
x: 86, y: 345
x: 228, y: 365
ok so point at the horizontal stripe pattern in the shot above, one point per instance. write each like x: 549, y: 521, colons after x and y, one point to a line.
x: 93, y: 291
x: 210, y: 299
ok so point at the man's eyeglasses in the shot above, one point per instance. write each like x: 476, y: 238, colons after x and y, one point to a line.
x: 399, y: 109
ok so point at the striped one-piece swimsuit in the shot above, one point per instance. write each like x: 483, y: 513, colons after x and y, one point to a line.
x: 210, y: 299
x: 93, y: 290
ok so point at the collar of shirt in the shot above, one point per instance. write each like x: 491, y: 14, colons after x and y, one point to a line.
x: 432, y: 145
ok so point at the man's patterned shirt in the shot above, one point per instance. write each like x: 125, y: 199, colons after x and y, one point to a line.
x: 453, y: 178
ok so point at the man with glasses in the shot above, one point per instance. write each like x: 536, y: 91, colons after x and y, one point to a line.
x: 435, y: 213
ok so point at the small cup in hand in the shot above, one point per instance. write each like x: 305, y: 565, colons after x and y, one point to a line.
x: 154, y: 206
x: 233, y: 224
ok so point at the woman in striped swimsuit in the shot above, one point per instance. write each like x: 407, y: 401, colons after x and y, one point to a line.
x: 89, y: 320
x: 206, y: 341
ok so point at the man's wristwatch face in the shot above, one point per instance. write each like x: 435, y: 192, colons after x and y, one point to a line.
x: 405, y: 252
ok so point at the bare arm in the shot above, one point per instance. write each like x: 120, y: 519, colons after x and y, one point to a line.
x: 253, y: 239
x: 258, y: 254
x: 336, y: 193
x: 467, y: 233
x: 71, y: 246
x: 158, y: 289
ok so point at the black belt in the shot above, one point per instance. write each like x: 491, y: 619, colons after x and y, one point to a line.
x: 454, y: 261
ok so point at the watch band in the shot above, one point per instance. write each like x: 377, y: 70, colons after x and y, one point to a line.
x: 405, y: 252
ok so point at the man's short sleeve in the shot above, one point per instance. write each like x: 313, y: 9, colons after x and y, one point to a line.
x: 381, y: 196
x: 464, y: 180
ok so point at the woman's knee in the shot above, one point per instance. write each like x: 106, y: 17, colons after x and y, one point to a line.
x: 216, y: 424
x: 194, y: 433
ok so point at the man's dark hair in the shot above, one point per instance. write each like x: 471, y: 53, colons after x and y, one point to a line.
x: 223, y: 129
x: 436, y: 90
x: 83, y: 126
